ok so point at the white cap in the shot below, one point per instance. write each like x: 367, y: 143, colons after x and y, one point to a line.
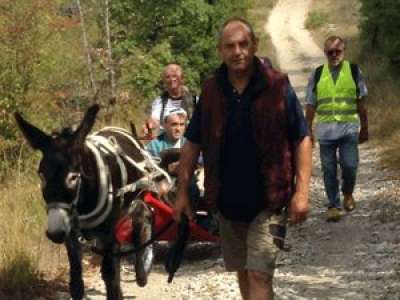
x: 174, y: 111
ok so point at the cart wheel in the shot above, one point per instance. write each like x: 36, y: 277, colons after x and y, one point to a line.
x: 143, y: 230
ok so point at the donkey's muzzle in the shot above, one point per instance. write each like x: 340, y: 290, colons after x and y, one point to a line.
x: 59, y: 225
x: 56, y: 237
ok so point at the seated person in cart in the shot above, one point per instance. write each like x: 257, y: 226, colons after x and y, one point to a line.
x: 168, y: 144
x: 174, y: 124
x: 167, y: 147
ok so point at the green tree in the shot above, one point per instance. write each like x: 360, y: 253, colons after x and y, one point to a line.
x: 381, y: 26
x: 150, y: 34
x: 41, y: 66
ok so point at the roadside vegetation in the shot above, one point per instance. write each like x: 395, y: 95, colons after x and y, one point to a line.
x: 371, y: 29
x: 55, y: 61
x: 316, y: 19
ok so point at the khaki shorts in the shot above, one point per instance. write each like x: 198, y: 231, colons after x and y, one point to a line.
x: 253, y: 246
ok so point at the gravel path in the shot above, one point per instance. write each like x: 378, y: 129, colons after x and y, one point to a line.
x: 356, y: 258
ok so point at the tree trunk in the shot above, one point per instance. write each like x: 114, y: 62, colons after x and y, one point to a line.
x: 86, y: 47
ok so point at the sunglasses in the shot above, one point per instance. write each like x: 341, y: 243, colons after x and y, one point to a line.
x: 335, y: 52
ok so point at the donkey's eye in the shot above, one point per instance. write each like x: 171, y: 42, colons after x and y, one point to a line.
x: 42, y: 180
x: 72, y: 180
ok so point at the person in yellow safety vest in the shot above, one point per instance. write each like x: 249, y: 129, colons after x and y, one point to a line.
x: 336, y: 94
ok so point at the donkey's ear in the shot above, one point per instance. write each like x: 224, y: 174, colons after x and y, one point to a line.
x: 133, y: 130
x: 134, y: 133
x: 35, y: 137
x: 86, y: 124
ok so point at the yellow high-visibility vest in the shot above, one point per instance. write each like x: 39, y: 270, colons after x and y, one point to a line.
x: 337, y: 102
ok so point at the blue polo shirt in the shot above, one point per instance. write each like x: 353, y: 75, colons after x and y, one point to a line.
x: 241, y: 194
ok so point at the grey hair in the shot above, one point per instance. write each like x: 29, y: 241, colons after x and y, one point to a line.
x: 334, y: 38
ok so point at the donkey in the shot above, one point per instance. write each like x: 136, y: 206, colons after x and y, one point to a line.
x: 89, y: 183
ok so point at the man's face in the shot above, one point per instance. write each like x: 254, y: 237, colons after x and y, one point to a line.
x: 172, y: 79
x: 237, y: 47
x: 175, y: 127
x: 334, y: 52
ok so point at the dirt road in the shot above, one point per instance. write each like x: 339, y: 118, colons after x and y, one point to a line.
x: 356, y: 258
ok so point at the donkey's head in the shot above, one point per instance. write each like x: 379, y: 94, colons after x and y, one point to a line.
x: 59, y: 170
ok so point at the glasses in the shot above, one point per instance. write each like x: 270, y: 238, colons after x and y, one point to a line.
x: 335, y: 52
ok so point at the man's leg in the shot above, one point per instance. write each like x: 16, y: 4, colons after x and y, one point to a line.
x: 329, y: 168
x: 265, y: 239
x: 234, y: 250
x: 243, y: 280
x: 260, y: 286
x: 348, y: 159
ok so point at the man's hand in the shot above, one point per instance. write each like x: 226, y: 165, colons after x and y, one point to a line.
x: 149, y: 126
x: 298, y: 208
x: 182, y: 206
x: 173, y: 168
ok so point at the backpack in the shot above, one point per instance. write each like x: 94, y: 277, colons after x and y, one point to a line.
x: 354, y: 73
x: 188, y: 102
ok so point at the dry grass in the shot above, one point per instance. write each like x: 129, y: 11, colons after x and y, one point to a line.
x: 384, y: 110
x: 25, y: 255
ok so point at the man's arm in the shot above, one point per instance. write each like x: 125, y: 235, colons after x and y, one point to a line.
x: 153, y: 120
x: 299, y: 204
x: 299, y: 135
x: 363, y: 114
x: 310, y: 114
x: 187, y: 165
x: 311, y: 102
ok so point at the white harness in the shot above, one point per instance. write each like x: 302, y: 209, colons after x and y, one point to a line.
x: 101, y: 147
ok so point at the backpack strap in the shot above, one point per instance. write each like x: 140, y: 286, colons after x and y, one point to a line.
x: 189, y: 102
x: 164, y: 100
x: 317, y: 77
x: 355, y: 73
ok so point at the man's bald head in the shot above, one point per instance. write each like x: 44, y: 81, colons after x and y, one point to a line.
x: 173, y: 68
x: 236, y: 22
x: 173, y: 80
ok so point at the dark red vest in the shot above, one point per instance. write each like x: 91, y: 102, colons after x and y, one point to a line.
x: 270, y: 129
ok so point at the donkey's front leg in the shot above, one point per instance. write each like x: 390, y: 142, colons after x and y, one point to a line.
x: 110, y: 271
x: 76, y: 287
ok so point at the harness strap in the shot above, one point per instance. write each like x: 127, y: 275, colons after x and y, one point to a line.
x: 67, y: 206
x: 105, y: 199
x: 100, y: 146
x: 57, y: 205
x: 109, y: 146
x: 150, y: 167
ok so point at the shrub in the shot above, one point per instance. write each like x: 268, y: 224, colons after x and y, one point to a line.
x: 316, y: 19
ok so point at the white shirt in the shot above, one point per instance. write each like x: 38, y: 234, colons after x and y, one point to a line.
x: 157, y: 106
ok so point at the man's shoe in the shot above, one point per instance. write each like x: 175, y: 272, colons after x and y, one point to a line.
x: 348, y: 202
x: 333, y: 214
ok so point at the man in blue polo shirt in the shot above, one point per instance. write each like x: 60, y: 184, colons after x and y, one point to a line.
x: 174, y: 123
x: 251, y: 130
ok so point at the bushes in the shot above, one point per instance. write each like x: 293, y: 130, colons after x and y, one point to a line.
x: 316, y: 19
x: 381, y: 26
x: 150, y: 34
